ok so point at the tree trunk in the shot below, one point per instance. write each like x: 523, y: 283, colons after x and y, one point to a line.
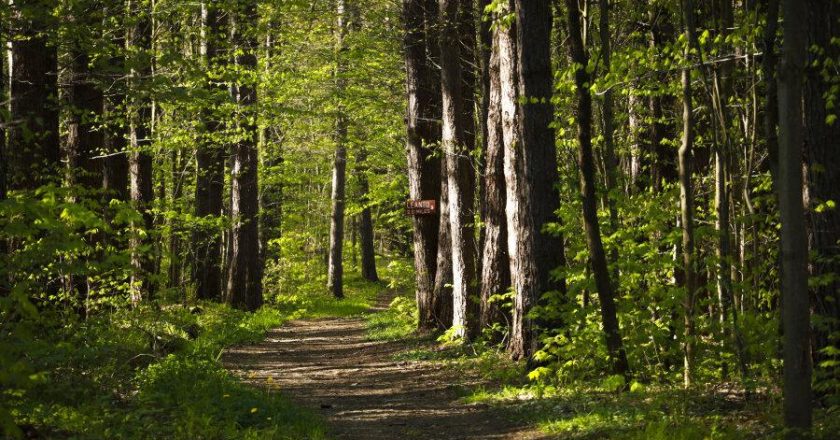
x: 495, y: 269
x: 598, y: 258
x: 423, y: 136
x: 140, y: 159
x: 530, y: 170
x: 608, y: 125
x: 687, y: 199
x: 335, y: 267
x: 365, y: 221
x: 823, y: 154
x: 794, y: 244
x: 210, y: 165
x: 244, y: 284
x: 455, y: 140
x: 442, y: 297
x: 33, y: 153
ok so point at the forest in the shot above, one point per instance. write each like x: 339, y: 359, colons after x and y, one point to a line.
x: 398, y: 219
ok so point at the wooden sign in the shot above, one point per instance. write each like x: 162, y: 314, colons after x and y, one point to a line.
x: 420, y: 207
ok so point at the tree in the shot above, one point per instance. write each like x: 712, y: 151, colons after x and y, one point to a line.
x: 335, y: 267
x: 210, y: 160
x: 598, y: 257
x: 530, y: 170
x: 365, y: 220
x: 687, y: 195
x: 794, y: 244
x: 423, y: 135
x: 495, y: 269
x: 822, y: 132
x: 244, y: 282
x: 140, y: 159
x: 459, y: 173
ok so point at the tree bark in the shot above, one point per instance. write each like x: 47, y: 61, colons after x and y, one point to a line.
x: 365, y: 220
x: 794, y: 244
x: 244, y: 284
x: 687, y: 198
x: 442, y: 297
x: 335, y: 267
x: 210, y: 164
x: 530, y: 171
x: 598, y: 257
x: 140, y: 158
x: 456, y: 144
x: 422, y: 137
x: 495, y: 269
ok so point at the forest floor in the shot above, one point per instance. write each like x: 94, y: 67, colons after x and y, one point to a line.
x: 363, y: 389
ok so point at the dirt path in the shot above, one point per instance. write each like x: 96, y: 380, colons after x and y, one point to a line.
x: 328, y: 365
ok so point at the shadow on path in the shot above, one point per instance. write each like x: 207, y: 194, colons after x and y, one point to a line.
x: 329, y: 365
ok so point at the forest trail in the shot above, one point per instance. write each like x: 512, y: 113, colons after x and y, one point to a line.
x: 328, y: 365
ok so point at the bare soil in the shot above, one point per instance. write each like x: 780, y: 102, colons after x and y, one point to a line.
x: 362, y: 392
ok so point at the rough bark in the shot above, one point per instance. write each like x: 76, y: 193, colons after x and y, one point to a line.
x: 456, y: 138
x: 531, y: 174
x: 210, y: 166
x: 495, y: 269
x: 586, y: 162
x: 442, y: 296
x: 244, y: 283
x: 335, y: 266
x: 423, y: 135
x: 794, y: 244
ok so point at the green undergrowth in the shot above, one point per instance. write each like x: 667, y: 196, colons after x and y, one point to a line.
x: 595, y: 411
x: 151, y: 372
x: 592, y: 410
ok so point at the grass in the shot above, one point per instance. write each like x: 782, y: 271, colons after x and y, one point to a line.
x: 140, y: 373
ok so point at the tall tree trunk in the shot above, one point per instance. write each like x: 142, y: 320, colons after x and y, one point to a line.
x: 244, y: 284
x: 210, y: 163
x: 442, y: 296
x: 423, y: 136
x: 455, y: 140
x: 794, y: 244
x: 530, y: 170
x: 687, y: 198
x: 365, y: 220
x: 771, y: 99
x: 33, y: 153
x: 495, y: 269
x: 608, y: 125
x: 823, y: 154
x: 598, y: 258
x: 335, y: 268
x: 140, y: 159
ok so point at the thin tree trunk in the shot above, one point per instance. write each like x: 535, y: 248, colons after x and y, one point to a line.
x: 598, y: 258
x: 687, y: 200
x: 608, y: 124
x: 365, y: 221
x: 794, y: 244
x: 140, y: 159
x: 335, y: 267
x: 442, y: 297
x: 244, y: 284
